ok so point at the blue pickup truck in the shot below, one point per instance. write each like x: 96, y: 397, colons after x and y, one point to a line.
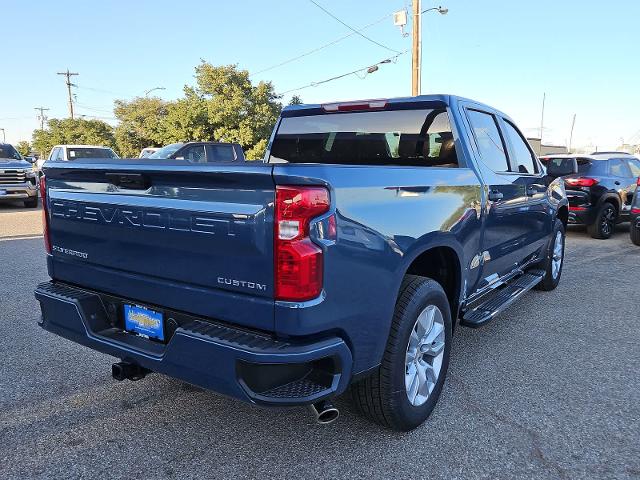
x: 342, y: 262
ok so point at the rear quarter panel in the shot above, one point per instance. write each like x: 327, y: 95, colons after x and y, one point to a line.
x: 386, y: 217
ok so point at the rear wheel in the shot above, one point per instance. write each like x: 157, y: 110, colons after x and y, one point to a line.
x: 403, y: 391
x: 635, y: 231
x: 605, y: 222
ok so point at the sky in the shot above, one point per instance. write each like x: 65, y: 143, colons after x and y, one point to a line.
x: 583, y: 54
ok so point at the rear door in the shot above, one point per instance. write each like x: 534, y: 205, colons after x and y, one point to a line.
x: 507, y: 225
x: 195, y: 237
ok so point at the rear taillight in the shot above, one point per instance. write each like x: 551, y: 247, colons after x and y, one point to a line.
x: 638, y: 182
x: 298, y: 261
x: 581, y: 182
x: 45, y: 214
x: 635, y: 211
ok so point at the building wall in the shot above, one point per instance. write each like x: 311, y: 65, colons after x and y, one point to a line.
x: 541, y: 149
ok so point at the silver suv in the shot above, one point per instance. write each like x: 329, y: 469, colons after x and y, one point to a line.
x: 18, y: 180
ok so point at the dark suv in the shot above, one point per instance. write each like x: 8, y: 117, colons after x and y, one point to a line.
x: 601, y: 193
x: 635, y: 216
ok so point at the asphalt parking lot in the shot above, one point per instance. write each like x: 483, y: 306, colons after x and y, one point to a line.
x: 550, y: 389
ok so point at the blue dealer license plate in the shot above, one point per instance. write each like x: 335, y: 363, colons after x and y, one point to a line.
x: 143, y: 321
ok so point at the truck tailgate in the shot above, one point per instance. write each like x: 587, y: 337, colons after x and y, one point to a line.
x: 198, y: 238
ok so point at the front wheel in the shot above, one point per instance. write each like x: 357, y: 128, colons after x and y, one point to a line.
x: 554, y: 259
x: 32, y: 202
x: 404, y: 390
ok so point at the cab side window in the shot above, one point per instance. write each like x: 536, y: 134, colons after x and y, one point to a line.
x: 54, y: 153
x: 522, y: 161
x: 489, y: 140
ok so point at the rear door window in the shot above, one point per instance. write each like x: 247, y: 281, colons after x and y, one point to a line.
x: 221, y: 153
x: 522, y: 161
x: 391, y: 137
x: 489, y: 141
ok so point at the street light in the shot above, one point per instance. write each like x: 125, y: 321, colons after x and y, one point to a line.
x: 416, y: 59
x: 147, y: 92
x: 4, y: 138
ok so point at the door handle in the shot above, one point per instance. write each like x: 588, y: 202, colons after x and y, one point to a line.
x: 617, y: 182
x: 533, y: 189
x: 495, y: 195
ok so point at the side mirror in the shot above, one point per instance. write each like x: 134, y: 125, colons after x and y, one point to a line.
x: 559, y: 167
x: 31, y: 160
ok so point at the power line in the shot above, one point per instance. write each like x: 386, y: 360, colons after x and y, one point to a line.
x: 369, y: 69
x: 68, y: 75
x: 321, y: 47
x: 351, y: 28
x: 100, y: 90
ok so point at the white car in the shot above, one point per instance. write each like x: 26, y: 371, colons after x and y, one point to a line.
x: 145, y: 152
x: 71, y: 152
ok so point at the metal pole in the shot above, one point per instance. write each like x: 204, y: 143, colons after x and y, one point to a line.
x: 573, y: 123
x: 416, y: 44
x: 4, y: 138
x: 68, y: 76
x: 544, y: 96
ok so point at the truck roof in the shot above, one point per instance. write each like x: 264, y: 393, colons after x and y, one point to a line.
x: 80, y: 146
x: 446, y: 99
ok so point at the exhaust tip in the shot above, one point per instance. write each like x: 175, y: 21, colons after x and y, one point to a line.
x: 117, y: 372
x: 325, y: 412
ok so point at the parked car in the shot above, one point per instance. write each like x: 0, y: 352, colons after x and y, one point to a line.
x: 600, y: 194
x: 74, y: 152
x: 18, y: 181
x: 634, y: 228
x: 345, y: 259
x: 201, y: 152
x: 145, y: 152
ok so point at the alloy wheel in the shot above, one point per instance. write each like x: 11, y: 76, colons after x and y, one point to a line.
x: 425, y: 352
x: 558, y: 251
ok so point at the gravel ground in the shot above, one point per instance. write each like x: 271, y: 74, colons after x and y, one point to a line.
x: 550, y: 389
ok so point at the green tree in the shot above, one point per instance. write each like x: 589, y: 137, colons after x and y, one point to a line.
x: 187, y: 119
x: 141, y: 124
x: 237, y: 110
x: 295, y: 100
x: 73, y: 131
x: 23, y: 147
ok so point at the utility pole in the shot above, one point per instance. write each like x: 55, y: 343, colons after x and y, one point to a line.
x: 573, y: 124
x: 415, y: 50
x: 544, y: 97
x: 68, y: 75
x: 42, y: 116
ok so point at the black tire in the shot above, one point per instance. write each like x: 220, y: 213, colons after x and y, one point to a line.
x: 549, y: 281
x: 32, y: 202
x: 382, y: 396
x: 605, y: 222
x: 634, y: 231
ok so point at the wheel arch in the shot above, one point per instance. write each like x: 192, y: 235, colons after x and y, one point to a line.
x: 440, y: 261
